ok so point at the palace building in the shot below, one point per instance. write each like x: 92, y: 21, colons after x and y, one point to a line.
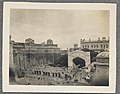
x: 97, y: 45
x: 30, y: 54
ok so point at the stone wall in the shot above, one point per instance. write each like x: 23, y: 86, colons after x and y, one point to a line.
x: 26, y: 60
x: 101, y: 75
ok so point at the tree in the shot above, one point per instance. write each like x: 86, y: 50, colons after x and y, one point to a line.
x: 62, y: 61
x: 93, y: 54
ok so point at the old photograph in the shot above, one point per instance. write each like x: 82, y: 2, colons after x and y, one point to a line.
x: 60, y: 47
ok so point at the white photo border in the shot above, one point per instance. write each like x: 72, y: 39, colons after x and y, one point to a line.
x: 61, y: 89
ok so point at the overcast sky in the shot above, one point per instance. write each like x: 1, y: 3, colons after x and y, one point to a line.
x: 64, y: 27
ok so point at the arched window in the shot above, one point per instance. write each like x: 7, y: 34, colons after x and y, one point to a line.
x: 97, y: 45
x: 40, y: 72
x: 48, y: 74
x: 58, y: 74
x: 92, y: 46
x: 43, y: 73
x: 106, y: 45
x: 53, y: 74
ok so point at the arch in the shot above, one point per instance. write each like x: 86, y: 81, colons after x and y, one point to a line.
x: 43, y: 73
x: 48, y: 73
x: 82, y: 57
x: 36, y: 72
x: 39, y: 72
x: 55, y: 74
x: 59, y: 75
x: 79, y: 62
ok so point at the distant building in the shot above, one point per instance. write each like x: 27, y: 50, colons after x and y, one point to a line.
x: 97, y: 45
x: 74, y: 48
x: 29, y: 54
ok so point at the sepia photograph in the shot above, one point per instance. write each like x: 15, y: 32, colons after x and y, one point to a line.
x: 63, y: 45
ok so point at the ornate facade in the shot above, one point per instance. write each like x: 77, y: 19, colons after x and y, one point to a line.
x: 30, y: 54
x: 98, y: 45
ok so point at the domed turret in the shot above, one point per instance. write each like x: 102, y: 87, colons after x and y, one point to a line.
x: 49, y: 41
x: 29, y: 41
x: 101, y: 74
x: 103, y: 57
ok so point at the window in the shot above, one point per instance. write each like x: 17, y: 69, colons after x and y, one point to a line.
x: 92, y: 46
x: 97, y: 45
x: 58, y: 74
x: 40, y: 72
x: 53, y: 74
x: 48, y: 74
x: 106, y: 45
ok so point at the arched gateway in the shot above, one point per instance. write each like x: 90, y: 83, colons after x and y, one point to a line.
x: 79, y: 58
x: 79, y: 62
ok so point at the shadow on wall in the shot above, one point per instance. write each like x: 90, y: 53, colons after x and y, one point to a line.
x: 99, y: 81
x: 11, y: 74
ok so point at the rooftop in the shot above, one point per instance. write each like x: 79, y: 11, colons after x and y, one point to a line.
x: 103, y: 40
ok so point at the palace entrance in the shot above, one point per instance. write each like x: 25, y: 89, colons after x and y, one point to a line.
x: 79, y: 59
x: 79, y: 62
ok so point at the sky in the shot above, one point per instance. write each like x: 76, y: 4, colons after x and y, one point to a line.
x: 64, y: 27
